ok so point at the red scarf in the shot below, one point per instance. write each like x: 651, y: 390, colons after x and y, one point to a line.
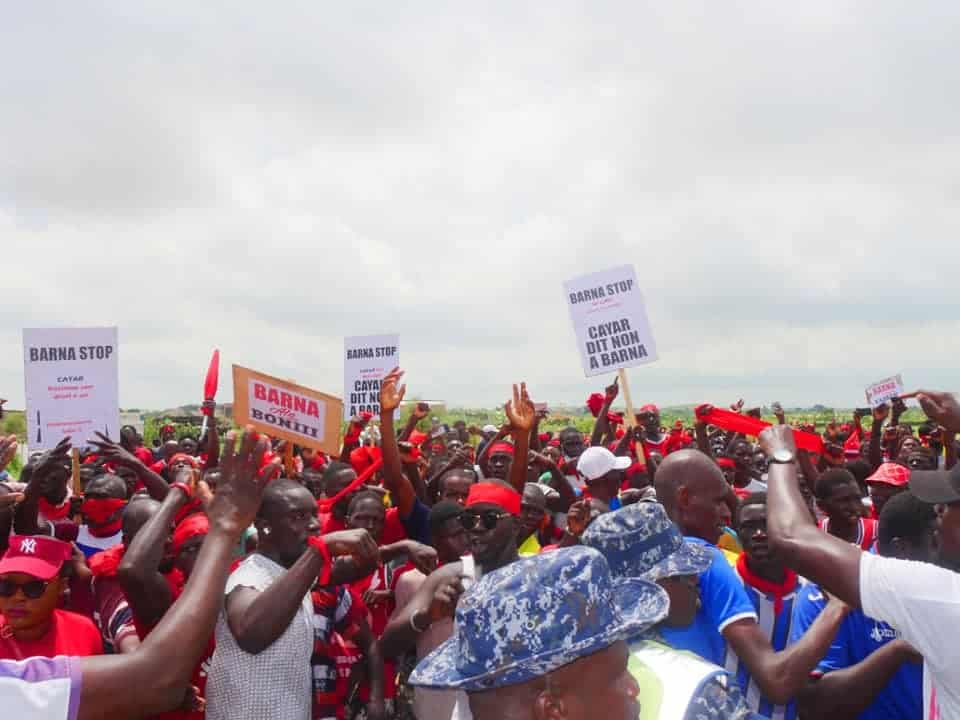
x: 105, y: 563
x: 54, y: 512
x: 104, y: 514
x: 765, y: 586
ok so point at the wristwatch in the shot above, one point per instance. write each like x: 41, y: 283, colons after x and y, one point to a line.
x: 783, y: 456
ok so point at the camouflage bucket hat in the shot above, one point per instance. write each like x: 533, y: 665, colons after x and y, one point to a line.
x: 640, y: 541
x: 536, y: 615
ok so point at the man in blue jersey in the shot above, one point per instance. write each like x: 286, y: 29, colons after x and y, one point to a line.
x: 695, y: 495
x: 868, y: 673
x: 772, y: 588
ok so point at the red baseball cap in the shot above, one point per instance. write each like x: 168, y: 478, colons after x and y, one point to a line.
x: 890, y: 474
x: 35, y: 555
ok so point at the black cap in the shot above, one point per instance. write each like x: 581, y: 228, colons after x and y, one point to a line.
x: 936, y: 486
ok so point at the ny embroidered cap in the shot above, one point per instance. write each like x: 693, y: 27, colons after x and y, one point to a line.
x: 597, y: 461
x: 936, y: 486
x: 35, y: 555
x: 536, y: 615
x: 640, y: 541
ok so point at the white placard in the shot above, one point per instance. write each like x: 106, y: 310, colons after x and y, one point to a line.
x: 70, y: 375
x: 366, y: 361
x: 884, y: 390
x: 610, y: 320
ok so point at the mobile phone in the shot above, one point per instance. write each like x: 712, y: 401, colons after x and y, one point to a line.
x: 863, y: 412
x: 423, y: 407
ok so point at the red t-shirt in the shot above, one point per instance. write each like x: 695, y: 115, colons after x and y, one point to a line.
x: 69, y: 634
x: 393, y: 530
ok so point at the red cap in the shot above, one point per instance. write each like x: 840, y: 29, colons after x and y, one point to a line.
x: 595, y: 402
x: 494, y: 494
x: 363, y: 457
x: 501, y: 447
x: 891, y: 474
x: 651, y: 408
x: 726, y: 463
x: 35, y: 555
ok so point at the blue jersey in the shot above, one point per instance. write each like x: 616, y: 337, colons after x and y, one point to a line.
x: 777, y: 627
x: 858, y: 636
x: 722, y: 601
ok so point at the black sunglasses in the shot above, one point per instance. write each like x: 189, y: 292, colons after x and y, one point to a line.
x: 32, y: 589
x: 488, y: 518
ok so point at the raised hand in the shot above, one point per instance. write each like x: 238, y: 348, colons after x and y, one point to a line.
x: 777, y: 437
x: 444, y: 603
x: 942, y: 407
x: 880, y: 412
x: 8, y: 449
x: 421, y: 410
x: 357, y: 543
x: 520, y: 410
x: 390, y: 394
x: 423, y: 557
x: 115, y: 453
x: 612, y: 390
x: 240, y: 488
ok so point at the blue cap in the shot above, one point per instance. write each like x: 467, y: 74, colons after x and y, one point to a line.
x: 640, y: 541
x: 536, y: 615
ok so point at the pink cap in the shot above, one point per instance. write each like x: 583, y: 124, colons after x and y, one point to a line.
x: 891, y: 474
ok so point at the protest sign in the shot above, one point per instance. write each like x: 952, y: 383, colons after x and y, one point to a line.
x: 884, y: 390
x: 610, y: 320
x: 286, y: 410
x: 70, y: 377
x: 366, y: 361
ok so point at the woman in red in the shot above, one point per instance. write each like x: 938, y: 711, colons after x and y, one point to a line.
x: 33, y: 575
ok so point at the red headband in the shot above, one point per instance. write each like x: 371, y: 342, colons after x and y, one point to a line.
x: 726, y: 463
x: 194, y: 525
x: 183, y: 456
x: 735, y: 422
x: 595, y: 402
x: 326, y: 505
x: 501, y: 447
x: 494, y: 494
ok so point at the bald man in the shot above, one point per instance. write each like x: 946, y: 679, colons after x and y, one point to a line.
x: 695, y: 495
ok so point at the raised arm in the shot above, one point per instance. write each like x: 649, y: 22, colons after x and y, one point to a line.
x: 40, y: 475
x: 781, y: 675
x: 601, y: 426
x: 418, y: 413
x: 152, y: 679
x: 822, y: 558
x: 876, y: 437
x: 401, y: 491
x: 521, y: 413
x: 844, y: 694
x: 147, y: 591
x: 213, y: 437
x: 257, y: 619
x: 156, y: 486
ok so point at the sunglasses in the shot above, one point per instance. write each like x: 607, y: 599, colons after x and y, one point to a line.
x: 32, y: 589
x: 489, y: 519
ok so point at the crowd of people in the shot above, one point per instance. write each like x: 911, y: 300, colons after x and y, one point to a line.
x: 445, y: 573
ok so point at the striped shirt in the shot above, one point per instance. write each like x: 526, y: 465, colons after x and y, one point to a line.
x: 775, y: 626
x: 866, y: 532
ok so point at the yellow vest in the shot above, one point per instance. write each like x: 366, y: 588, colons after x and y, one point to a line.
x: 669, y: 679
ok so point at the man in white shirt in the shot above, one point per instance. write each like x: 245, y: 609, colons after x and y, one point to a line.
x: 920, y: 600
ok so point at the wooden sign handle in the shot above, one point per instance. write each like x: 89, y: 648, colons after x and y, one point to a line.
x: 630, y: 419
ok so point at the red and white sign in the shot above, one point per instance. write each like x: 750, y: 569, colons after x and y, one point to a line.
x: 884, y: 391
x: 70, y: 377
x: 286, y: 410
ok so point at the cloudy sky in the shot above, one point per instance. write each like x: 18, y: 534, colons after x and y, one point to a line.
x: 269, y: 178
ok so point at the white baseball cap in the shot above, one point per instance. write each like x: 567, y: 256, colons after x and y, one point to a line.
x: 490, y: 429
x: 596, y: 461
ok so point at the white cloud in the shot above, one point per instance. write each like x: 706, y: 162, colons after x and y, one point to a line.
x: 268, y: 181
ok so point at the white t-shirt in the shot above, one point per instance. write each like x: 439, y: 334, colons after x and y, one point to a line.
x: 40, y: 688
x: 922, y: 602
x: 274, y: 683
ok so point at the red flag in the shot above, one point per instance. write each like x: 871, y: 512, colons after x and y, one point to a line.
x: 735, y: 422
x: 213, y: 375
